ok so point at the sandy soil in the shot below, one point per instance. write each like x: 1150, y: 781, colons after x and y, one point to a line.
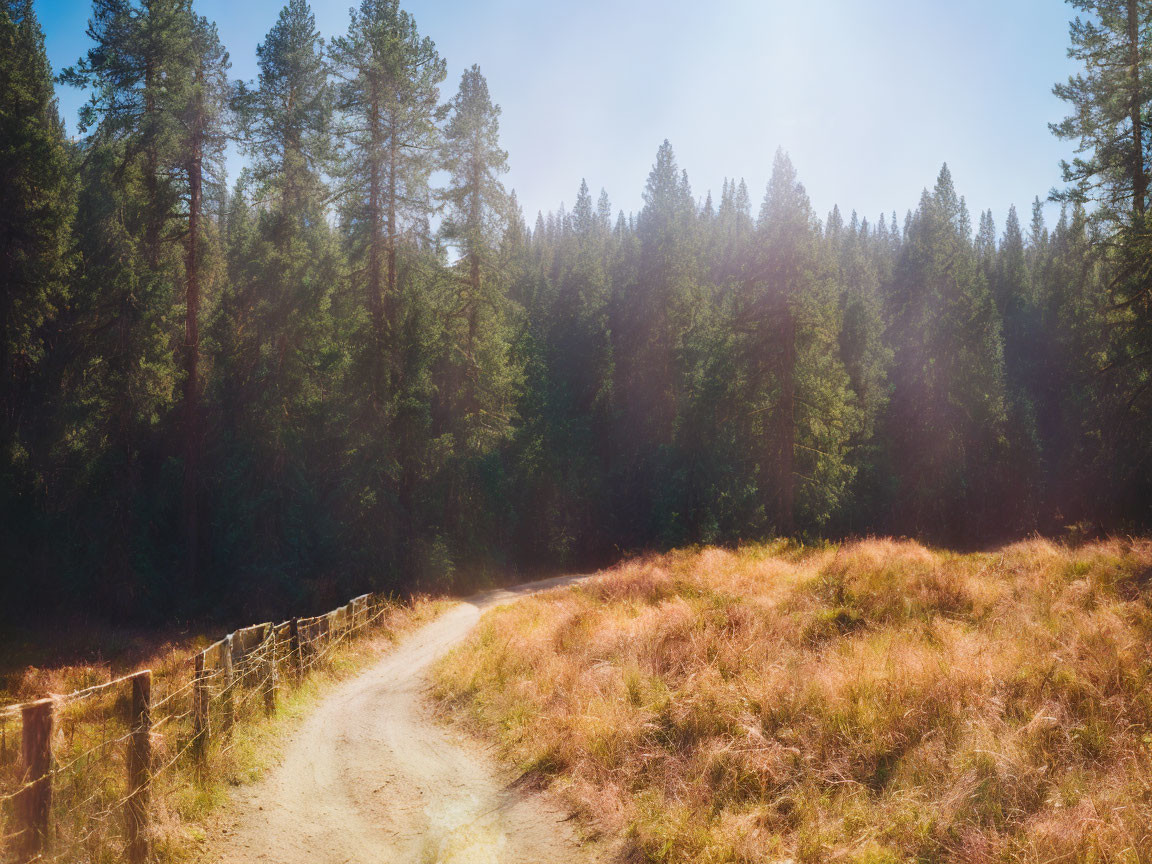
x: 371, y: 777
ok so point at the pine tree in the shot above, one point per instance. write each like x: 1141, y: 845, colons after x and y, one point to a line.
x: 986, y: 244
x: 479, y: 376
x: 734, y: 230
x: 476, y: 207
x: 948, y: 415
x: 200, y: 109
x: 1023, y: 343
x: 1012, y: 293
x: 654, y: 286
x: 276, y: 362
x: 285, y: 116
x: 119, y: 383
x: 1110, y: 102
x: 660, y: 301
x: 37, y: 204
x: 813, y: 413
x: 158, y: 79
x: 36, y: 208
x: 388, y: 99
x: 787, y: 241
x: 1077, y: 415
x: 867, y: 358
x: 564, y: 408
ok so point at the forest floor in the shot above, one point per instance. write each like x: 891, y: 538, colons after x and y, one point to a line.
x: 372, y: 776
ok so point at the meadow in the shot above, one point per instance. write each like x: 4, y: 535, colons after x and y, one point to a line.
x: 873, y: 702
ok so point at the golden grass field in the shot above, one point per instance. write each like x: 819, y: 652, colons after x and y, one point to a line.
x: 872, y: 702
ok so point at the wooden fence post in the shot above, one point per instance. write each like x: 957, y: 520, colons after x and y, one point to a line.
x: 35, y: 806
x: 375, y: 607
x: 140, y: 767
x: 201, y: 729
x: 297, y: 661
x: 228, y: 719
x: 304, y: 643
x: 270, y: 671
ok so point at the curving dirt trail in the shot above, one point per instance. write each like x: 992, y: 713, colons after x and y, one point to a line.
x: 371, y: 778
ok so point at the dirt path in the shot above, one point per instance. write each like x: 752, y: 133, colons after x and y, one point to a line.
x: 371, y: 778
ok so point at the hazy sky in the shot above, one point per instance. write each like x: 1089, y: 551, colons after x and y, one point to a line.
x: 868, y: 98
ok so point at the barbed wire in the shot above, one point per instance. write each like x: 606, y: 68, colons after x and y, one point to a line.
x: 172, y: 762
x: 70, y: 698
x: 160, y: 704
x: 5, y: 838
x: 63, y: 769
x: 161, y: 722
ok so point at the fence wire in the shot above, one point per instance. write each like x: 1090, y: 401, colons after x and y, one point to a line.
x: 196, y: 704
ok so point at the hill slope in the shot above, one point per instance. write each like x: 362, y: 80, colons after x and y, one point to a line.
x: 875, y: 702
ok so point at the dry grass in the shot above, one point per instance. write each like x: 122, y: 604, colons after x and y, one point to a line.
x: 873, y: 702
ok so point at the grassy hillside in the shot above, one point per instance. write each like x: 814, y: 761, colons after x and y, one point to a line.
x: 873, y: 702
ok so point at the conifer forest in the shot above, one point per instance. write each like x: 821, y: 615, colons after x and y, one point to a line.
x: 360, y: 365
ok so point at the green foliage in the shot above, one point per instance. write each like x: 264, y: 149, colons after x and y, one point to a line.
x: 948, y: 413
x: 37, y: 204
x: 1109, y: 99
x: 482, y: 376
x: 285, y: 117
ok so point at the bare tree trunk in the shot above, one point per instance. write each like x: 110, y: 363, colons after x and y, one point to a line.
x: 1139, y: 176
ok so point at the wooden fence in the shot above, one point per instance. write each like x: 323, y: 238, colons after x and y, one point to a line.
x: 78, y: 787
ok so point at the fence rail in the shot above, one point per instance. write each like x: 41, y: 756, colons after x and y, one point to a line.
x: 79, y: 787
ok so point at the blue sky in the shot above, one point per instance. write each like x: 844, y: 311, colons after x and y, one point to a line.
x: 868, y: 98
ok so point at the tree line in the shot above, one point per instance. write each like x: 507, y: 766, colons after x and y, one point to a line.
x: 338, y: 373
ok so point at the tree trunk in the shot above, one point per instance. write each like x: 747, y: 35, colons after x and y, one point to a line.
x: 151, y: 168
x: 7, y: 380
x: 1139, y: 176
x: 390, y: 241
x: 390, y: 301
x: 375, y: 287
x: 787, y: 421
x: 192, y: 360
x: 292, y: 164
x: 475, y: 217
